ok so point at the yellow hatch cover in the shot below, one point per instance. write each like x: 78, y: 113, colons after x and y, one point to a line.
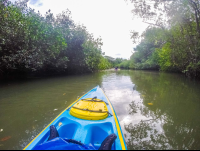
x: 90, y: 109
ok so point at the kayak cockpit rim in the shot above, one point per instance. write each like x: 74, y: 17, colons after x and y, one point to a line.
x: 54, y: 120
x: 121, y: 138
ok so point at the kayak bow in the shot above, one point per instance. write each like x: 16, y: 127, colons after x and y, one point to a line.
x: 90, y: 119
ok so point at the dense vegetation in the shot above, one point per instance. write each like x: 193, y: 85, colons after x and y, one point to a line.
x: 172, y: 40
x: 34, y: 44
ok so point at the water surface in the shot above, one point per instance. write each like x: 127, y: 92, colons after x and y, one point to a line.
x: 171, y: 121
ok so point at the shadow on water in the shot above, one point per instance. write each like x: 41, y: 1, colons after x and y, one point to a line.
x: 170, y: 121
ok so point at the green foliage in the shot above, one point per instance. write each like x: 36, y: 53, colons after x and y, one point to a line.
x: 104, y: 64
x: 92, y: 51
x: 31, y: 42
x: 164, y: 57
x: 117, y: 61
x: 172, y: 40
x: 125, y: 64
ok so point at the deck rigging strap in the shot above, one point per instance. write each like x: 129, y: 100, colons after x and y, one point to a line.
x: 93, y: 100
x: 93, y: 111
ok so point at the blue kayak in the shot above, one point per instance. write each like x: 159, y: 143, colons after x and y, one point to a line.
x: 89, y: 123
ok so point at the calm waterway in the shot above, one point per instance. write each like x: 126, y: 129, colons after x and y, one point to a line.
x: 171, y: 121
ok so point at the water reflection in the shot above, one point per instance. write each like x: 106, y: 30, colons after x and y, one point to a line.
x: 170, y: 122
x: 176, y: 108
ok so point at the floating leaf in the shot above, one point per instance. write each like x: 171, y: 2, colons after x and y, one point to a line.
x: 5, y: 138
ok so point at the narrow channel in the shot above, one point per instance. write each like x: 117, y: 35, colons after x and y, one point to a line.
x: 156, y: 110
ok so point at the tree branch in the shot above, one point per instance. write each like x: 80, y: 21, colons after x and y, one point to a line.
x: 154, y: 24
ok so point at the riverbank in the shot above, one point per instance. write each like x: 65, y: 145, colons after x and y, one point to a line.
x: 186, y: 73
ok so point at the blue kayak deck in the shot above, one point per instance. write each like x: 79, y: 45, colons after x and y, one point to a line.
x: 86, y: 131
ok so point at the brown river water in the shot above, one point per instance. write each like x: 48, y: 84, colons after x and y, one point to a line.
x: 155, y: 110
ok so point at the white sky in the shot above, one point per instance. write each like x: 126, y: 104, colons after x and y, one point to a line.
x: 110, y: 19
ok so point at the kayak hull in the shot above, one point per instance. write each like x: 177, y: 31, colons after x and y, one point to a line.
x: 85, y: 131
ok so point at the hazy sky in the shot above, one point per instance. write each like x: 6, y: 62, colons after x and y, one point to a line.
x: 110, y: 19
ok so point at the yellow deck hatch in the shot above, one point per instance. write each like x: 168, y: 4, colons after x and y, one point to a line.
x: 90, y: 109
